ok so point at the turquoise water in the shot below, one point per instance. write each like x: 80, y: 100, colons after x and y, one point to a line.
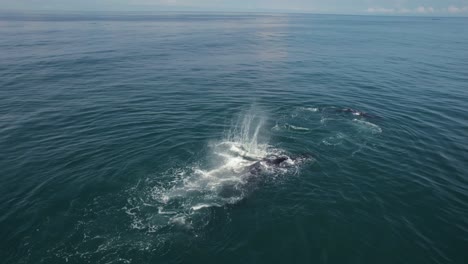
x: 130, y: 138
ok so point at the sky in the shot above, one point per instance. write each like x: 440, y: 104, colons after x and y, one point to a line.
x: 374, y: 7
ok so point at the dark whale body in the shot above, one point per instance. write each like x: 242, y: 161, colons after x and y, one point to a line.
x: 356, y: 112
x: 275, y: 161
x: 253, y: 174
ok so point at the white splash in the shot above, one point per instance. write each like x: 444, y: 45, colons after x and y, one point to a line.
x: 193, y: 190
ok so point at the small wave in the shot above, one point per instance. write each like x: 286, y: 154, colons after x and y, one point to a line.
x: 289, y: 127
x: 311, y: 109
x: 298, y: 128
x: 373, y: 128
x: 201, y: 206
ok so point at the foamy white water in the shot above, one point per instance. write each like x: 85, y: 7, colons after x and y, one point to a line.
x: 225, y: 180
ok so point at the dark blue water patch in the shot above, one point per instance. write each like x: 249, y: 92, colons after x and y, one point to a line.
x: 130, y: 138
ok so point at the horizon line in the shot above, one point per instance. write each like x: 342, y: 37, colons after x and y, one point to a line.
x: 263, y: 11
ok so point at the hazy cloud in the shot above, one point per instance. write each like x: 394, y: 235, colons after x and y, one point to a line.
x: 419, y: 10
x: 380, y: 10
x: 455, y: 10
x: 424, y: 10
x: 388, y: 7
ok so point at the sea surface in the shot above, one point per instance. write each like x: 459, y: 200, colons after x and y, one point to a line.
x: 148, y: 138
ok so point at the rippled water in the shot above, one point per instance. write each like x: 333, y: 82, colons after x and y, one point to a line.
x: 136, y: 138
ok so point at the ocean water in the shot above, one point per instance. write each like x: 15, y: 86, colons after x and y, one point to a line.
x: 145, y: 138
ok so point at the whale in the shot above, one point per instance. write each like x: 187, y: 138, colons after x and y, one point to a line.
x: 356, y: 112
x: 254, y: 174
x: 276, y: 161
